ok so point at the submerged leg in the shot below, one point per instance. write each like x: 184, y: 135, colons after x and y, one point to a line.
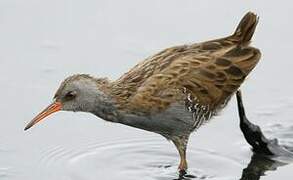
x: 181, y: 144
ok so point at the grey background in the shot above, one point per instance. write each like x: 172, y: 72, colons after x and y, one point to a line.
x: 42, y: 42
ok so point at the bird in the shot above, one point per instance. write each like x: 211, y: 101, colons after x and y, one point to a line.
x: 171, y: 93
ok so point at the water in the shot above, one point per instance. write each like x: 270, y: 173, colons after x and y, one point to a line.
x: 42, y: 42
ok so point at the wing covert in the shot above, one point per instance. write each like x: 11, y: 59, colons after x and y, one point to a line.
x: 210, y: 78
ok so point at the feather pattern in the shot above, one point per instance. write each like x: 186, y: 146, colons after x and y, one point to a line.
x: 203, y: 76
x: 171, y: 93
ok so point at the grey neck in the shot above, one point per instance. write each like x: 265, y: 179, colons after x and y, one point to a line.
x: 105, y: 109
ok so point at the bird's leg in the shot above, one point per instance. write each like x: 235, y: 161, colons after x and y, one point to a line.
x: 181, y: 144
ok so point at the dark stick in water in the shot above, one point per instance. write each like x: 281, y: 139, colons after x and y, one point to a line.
x: 254, y: 136
x: 265, y: 150
x: 251, y: 132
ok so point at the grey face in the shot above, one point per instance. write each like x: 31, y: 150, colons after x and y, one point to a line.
x: 78, y: 94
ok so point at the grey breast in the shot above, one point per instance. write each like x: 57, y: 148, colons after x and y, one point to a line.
x: 177, y: 120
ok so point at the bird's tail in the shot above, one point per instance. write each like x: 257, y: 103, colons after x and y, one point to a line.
x: 246, y: 28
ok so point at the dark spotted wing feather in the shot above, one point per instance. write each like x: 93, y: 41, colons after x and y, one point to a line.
x: 203, y: 75
x: 209, y: 78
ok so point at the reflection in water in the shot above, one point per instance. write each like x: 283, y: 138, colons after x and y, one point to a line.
x: 257, y: 167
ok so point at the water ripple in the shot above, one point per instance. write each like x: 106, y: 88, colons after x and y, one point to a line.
x: 132, y: 158
x: 6, y: 172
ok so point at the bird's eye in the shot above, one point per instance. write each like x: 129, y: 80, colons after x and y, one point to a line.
x: 70, y: 95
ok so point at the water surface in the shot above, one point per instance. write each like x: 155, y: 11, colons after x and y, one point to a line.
x: 42, y: 42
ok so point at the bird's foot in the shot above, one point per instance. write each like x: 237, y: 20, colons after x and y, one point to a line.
x: 184, y: 176
x: 182, y: 172
x: 182, y: 168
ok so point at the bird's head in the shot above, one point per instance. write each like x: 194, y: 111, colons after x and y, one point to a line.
x: 76, y: 93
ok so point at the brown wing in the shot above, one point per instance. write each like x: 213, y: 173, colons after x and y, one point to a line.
x: 209, y: 71
x: 209, y: 77
x: 128, y: 84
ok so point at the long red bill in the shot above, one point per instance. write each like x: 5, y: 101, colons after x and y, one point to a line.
x: 54, y: 107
